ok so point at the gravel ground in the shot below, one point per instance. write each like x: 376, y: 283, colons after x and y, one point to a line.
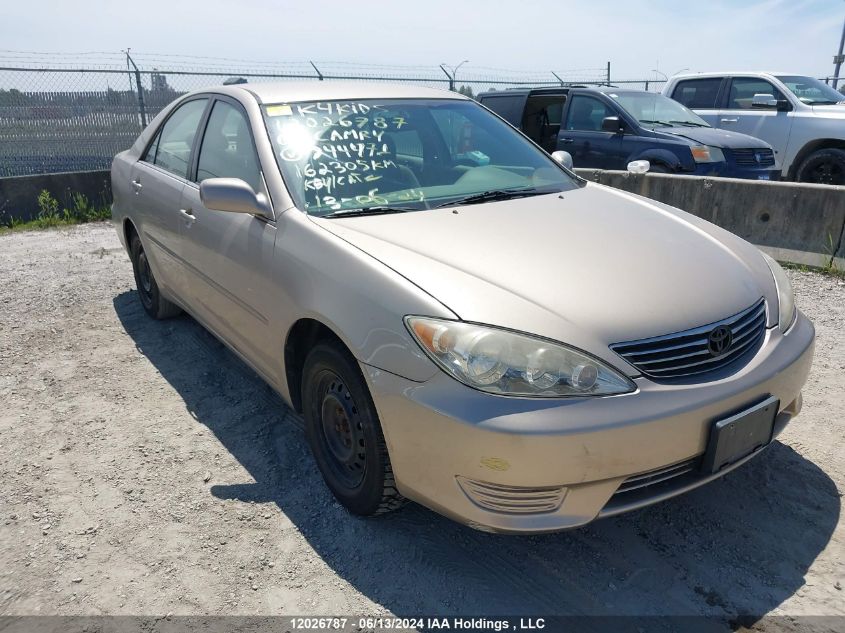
x: 145, y: 470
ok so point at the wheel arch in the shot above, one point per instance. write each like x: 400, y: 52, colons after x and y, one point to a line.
x: 129, y: 229
x: 810, y: 147
x: 301, y: 338
x: 665, y: 157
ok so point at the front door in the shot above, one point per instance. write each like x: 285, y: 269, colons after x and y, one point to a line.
x: 582, y: 136
x: 229, y: 255
x: 767, y: 123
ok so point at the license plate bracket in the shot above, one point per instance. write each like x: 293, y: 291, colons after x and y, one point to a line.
x: 739, y: 435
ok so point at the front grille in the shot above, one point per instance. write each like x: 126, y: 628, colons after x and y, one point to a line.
x: 657, y: 476
x: 689, y: 353
x: 760, y: 157
x: 513, y: 499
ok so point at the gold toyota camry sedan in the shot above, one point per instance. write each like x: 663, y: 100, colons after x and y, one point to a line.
x: 461, y: 320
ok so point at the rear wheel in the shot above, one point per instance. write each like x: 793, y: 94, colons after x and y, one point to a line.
x: 344, y: 432
x: 155, y: 305
x: 824, y: 167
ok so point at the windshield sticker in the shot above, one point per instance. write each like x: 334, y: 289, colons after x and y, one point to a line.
x: 279, y: 110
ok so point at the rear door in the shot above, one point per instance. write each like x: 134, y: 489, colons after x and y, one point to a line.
x: 766, y: 123
x: 229, y: 255
x: 581, y: 134
x: 157, y: 181
x: 701, y: 96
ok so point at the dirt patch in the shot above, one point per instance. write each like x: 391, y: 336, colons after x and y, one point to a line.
x: 145, y: 470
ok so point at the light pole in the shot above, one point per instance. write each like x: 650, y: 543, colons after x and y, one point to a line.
x: 839, y: 58
x: 446, y: 68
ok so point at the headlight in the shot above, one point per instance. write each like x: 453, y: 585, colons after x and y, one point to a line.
x: 707, y: 154
x: 786, y: 300
x: 507, y: 363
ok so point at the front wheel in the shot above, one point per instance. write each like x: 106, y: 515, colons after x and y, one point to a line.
x: 344, y: 433
x: 823, y: 167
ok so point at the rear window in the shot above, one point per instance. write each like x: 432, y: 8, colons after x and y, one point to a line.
x: 698, y: 93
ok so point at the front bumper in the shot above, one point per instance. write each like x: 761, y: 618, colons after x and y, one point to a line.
x: 729, y: 170
x: 488, y: 461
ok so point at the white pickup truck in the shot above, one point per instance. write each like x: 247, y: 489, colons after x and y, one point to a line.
x: 802, y: 118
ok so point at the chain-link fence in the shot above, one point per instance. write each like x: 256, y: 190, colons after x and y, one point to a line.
x: 58, y: 116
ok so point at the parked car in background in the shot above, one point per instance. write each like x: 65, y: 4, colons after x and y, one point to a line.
x: 460, y: 319
x: 802, y: 118
x: 607, y: 128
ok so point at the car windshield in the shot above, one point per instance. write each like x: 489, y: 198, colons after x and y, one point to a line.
x: 391, y: 155
x: 655, y: 111
x: 811, y: 91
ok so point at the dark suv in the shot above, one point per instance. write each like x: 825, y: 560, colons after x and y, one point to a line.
x: 607, y: 128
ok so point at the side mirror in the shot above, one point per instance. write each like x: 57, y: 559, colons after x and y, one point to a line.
x: 233, y: 195
x: 764, y: 101
x: 612, y: 124
x: 564, y: 158
x: 639, y: 166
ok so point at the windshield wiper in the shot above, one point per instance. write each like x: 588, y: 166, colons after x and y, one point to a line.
x: 493, y: 196
x: 692, y: 123
x: 666, y: 123
x: 377, y: 210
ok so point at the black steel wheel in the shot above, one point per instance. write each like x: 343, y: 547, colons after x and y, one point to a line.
x: 154, y: 304
x: 344, y: 432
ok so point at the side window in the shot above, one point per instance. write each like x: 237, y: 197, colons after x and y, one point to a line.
x: 586, y: 114
x: 698, y: 93
x: 743, y: 90
x: 173, y: 152
x: 227, y: 150
x: 506, y: 106
x: 150, y: 154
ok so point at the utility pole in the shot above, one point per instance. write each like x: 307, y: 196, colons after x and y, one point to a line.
x: 141, y: 109
x: 608, y: 73
x: 839, y: 58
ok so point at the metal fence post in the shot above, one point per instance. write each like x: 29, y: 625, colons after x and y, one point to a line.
x: 451, y: 78
x: 141, y: 109
x: 317, y: 70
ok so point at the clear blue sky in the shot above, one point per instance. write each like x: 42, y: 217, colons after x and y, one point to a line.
x: 791, y: 35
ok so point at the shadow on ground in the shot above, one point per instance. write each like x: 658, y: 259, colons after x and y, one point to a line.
x: 737, y: 547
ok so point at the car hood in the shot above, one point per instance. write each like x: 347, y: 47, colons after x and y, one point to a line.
x: 715, y: 137
x: 836, y: 111
x: 589, y: 267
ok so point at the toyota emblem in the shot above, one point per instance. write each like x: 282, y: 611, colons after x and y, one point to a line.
x: 720, y: 340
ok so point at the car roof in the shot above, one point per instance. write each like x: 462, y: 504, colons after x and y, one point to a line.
x: 313, y: 90
x: 735, y: 73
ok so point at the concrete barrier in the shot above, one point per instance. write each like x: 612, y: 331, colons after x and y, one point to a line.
x: 798, y: 223
x: 19, y: 194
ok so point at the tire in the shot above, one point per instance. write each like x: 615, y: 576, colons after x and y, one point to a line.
x: 154, y: 304
x: 658, y: 168
x: 825, y: 167
x: 344, y: 433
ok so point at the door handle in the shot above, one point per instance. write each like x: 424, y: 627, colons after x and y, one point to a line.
x: 188, y: 216
x: 729, y: 120
x: 136, y: 185
x: 567, y: 140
